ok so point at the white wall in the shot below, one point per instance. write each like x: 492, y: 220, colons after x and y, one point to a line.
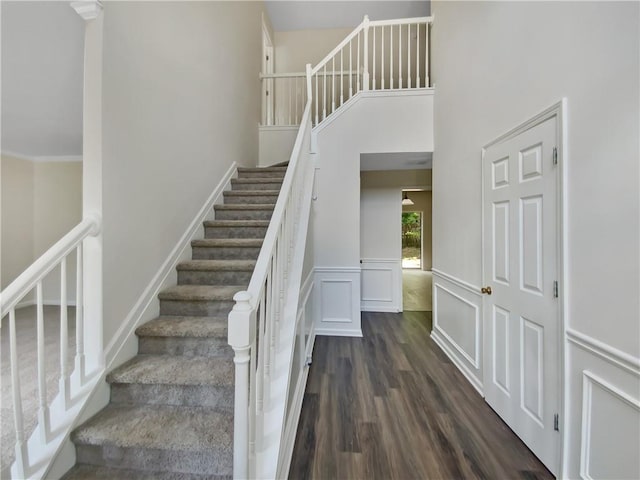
x: 276, y: 144
x: 496, y: 65
x: 180, y: 104
x: 294, y: 49
x: 41, y: 202
x: 403, y: 123
x: 17, y: 217
x: 381, y: 249
x: 42, y: 64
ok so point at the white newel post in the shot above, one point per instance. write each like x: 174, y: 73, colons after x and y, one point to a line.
x: 365, y: 73
x: 241, y: 332
x: 91, y: 12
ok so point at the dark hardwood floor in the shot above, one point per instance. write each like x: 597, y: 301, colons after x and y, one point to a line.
x: 391, y: 405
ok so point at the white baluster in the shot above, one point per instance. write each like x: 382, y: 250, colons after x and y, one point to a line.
x: 365, y: 74
x: 409, y: 56
x: 316, y: 99
x: 324, y: 93
x: 341, y: 76
x: 382, y: 58
x: 290, y: 99
x: 79, y: 364
x: 64, y: 335
x: 333, y: 84
x: 358, y: 66
x: 43, y: 408
x: 391, y: 57
x: 399, y: 56
x: 426, y: 55
x: 374, y: 58
x: 350, y: 70
x: 21, y: 450
x: 418, y: 55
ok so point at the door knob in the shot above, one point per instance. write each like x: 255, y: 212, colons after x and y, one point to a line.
x: 486, y: 290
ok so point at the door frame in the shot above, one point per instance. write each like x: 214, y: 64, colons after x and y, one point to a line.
x: 267, y: 114
x: 559, y: 111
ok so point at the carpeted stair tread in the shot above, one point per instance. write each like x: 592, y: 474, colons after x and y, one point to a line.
x: 160, y: 427
x: 278, y: 169
x: 94, y: 472
x: 227, y: 242
x: 236, y: 223
x: 174, y: 370
x: 250, y: 193
x: 209, y: 265
x: 246, y: 206
x: 175, y: 326
x: 200, y: 292
x: 255, y: 180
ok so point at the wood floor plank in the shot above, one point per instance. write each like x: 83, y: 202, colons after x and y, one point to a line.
x: 391, y: 405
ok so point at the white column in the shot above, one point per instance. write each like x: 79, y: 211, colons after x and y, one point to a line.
x: 91, y: 12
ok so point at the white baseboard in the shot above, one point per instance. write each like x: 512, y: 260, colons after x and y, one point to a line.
x: 338, y: 332
x: 122, y: 347
x: 477, y: 384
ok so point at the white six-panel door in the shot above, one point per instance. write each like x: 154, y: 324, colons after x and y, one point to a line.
x: 521, y: 334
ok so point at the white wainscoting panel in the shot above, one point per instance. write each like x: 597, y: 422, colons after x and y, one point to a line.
x: 381, y: 285
x: 602, y: 411
x: 457, y: 324
x: 337, y: 301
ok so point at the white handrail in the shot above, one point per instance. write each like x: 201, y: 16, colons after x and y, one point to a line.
x: 260, y: 313
x: 27, y: 280
x: 32, y: 278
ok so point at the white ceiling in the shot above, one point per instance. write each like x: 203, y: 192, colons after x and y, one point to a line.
x: 42, y: 60
x: 396, y: 161
x: 313, y: 14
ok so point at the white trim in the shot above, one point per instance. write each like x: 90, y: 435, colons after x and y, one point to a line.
x: 457, y: 281
x: 289, y: 439
x: 88, y: 9
x: 337, y: 269
x: 383, y: 309
x: 149, y: 298
x: 413, y: 92
x: 475, y: 382
x: 278, y: 128
x: 604, y: 351
x: 71, y: 158
x: 380, y: 260
x: 337, y: 332
x: 475, y: 361
x: 588, y: 381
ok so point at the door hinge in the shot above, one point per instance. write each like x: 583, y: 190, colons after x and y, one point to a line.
x: 267, y: 93
x: 556, y: 422
x: 267, y: 58
x: 555, y: 155
x: 555, y: 289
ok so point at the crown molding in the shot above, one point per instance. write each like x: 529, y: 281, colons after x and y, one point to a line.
x: 42, y: 158
x: 88, y: 9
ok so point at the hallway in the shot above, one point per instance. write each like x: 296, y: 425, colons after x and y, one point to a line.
x: 391, y: 405
x: 417, y: 293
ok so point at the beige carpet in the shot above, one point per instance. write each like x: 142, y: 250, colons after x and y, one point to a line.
x: 416, y: 290
x: 27, y: 360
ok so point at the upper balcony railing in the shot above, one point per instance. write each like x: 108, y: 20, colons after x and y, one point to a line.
x: 376, y: 55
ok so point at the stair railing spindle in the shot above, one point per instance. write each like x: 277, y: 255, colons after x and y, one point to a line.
x: 79, y: 360
x: 365, y: 73
x: 64, y: 335
x: 20, y: 447
x: 391, y: 57
x: 426, y: 56
x: 417, y: 55
x: 409, y: 56
x: 43, y: 408
x: 374, y: 58
x: 382, y: 58
x: 399, y: 56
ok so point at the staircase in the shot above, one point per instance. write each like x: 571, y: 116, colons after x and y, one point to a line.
x: 170, y: 414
